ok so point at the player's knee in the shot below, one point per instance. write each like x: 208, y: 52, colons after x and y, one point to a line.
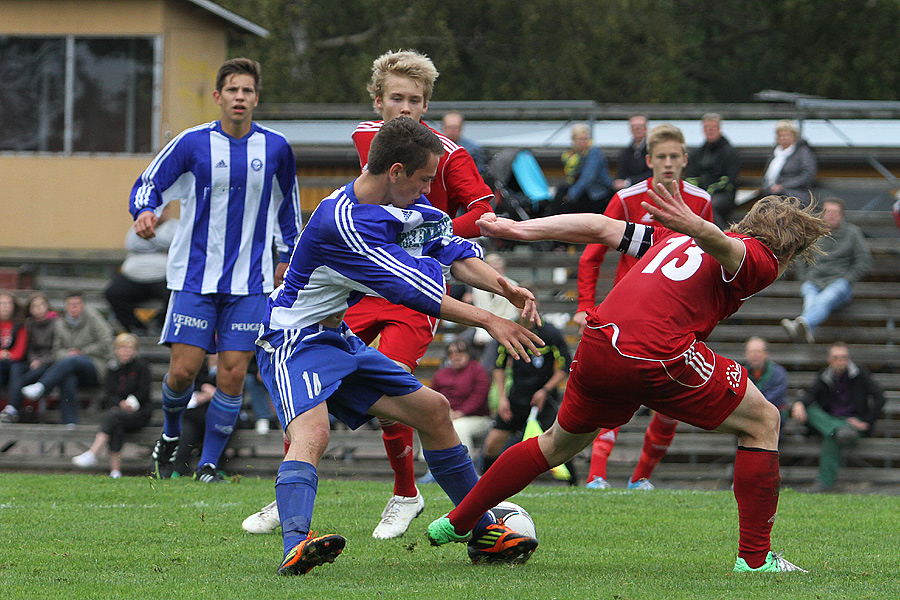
x: 180, y: 376
x: 771, y: 418
x: 432, y: 413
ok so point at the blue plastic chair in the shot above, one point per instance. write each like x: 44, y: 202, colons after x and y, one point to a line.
x: 530, y: 178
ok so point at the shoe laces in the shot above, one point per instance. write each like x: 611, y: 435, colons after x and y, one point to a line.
x: 391, y: 511
x: 784, y: 565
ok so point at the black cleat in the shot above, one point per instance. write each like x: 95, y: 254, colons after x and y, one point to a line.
x: 497, y: 543
x: 310, y: 553
x: 163, y: 458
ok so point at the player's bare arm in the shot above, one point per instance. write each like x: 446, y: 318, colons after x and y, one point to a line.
x: 479, y: 274
x: 672, y: 212
x: 575, y: 228
x: 520, y: 342
x: 145, y: 225
x: 280, y: 269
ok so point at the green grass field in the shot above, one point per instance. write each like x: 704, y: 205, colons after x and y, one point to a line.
x: 80, y: 536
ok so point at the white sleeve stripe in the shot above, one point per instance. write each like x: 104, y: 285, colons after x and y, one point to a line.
x: 142, y: 196
x: 383, y: 259
x: 354, y: 241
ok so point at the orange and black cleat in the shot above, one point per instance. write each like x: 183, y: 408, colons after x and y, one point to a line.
x: 497, y: 543
x: 310, y: 553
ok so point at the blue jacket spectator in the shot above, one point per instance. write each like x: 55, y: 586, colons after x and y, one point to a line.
x: 588, y: 186
x: 770, y: 377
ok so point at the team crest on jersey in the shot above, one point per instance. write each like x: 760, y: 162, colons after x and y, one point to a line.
x: 733, y: 374
x: 426, y: 232
x: 256, y: 164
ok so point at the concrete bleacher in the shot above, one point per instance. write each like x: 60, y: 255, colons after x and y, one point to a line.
x: 696, y: 458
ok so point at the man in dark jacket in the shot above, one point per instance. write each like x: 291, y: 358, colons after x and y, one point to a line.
x: 631, y: 167
x: 842, y: 405
x: 715, y: 167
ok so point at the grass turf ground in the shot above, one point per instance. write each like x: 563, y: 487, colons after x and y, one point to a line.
x: 83, y: 536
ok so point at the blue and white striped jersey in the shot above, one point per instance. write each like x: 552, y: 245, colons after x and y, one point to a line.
x: 236, y: 195
x: 348, y: 250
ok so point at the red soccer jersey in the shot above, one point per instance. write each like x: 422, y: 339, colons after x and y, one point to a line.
x: 677, y: 293
x: 458, y: 184
x: 626, y: 206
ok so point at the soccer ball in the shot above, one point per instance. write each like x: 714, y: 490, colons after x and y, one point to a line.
x: 515, y: 517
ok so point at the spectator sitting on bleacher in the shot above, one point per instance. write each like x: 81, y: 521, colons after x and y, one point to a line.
x: 770, y: 377
x: 142, y: 276
x: 466, y: 384
x: 588, y: 186
x: 714, y: 167
x: 127, y: 405
x: 632, y: 167
x: 12, y: 336
x: 452, y: 125
x: 39, y: 326
x: 791, y: 171
x: 82, y: 345
x: 841, y: 405
x: 828, y: 283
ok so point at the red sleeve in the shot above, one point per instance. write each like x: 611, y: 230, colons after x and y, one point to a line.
x: 707, y: 212
x: 464, y: 225
x: 588, y: 273
x: 466, y: 191
x: 17, y: 352
x: 362, y: 139
x: 592, y: 258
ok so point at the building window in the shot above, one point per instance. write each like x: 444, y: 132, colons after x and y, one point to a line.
x: 77, y: 94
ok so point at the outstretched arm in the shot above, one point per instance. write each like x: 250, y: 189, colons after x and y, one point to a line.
x: 479, y: 274
x: 576, y: 228
x: 672, y: 212
x: 519, y: 341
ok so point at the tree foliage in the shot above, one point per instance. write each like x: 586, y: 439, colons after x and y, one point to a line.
x: 622, y: 51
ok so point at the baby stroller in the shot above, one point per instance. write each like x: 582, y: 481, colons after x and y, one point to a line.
x: 521, y: 188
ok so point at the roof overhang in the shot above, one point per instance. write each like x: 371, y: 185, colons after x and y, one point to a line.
x: 234, y: 19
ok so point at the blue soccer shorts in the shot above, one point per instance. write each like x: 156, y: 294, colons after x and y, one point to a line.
x: 214, y: 322
x: 304, y: 367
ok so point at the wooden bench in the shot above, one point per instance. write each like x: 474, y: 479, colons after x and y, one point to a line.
x: 51, y: 447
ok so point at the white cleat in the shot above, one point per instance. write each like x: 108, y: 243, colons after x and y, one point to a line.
x: 397, y: 516
x: 265, y: 521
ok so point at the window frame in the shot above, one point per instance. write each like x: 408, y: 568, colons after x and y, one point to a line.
x: 69, y: 94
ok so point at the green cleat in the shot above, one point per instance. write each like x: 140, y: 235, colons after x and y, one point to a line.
x: 310, y: 553
x: 775, y: 563
x: 441, y: 532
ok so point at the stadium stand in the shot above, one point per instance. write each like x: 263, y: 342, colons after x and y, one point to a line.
x: 695, y: 459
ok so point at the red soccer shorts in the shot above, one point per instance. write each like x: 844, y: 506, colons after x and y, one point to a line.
x: 605, y: 388
x: 405, y: 333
